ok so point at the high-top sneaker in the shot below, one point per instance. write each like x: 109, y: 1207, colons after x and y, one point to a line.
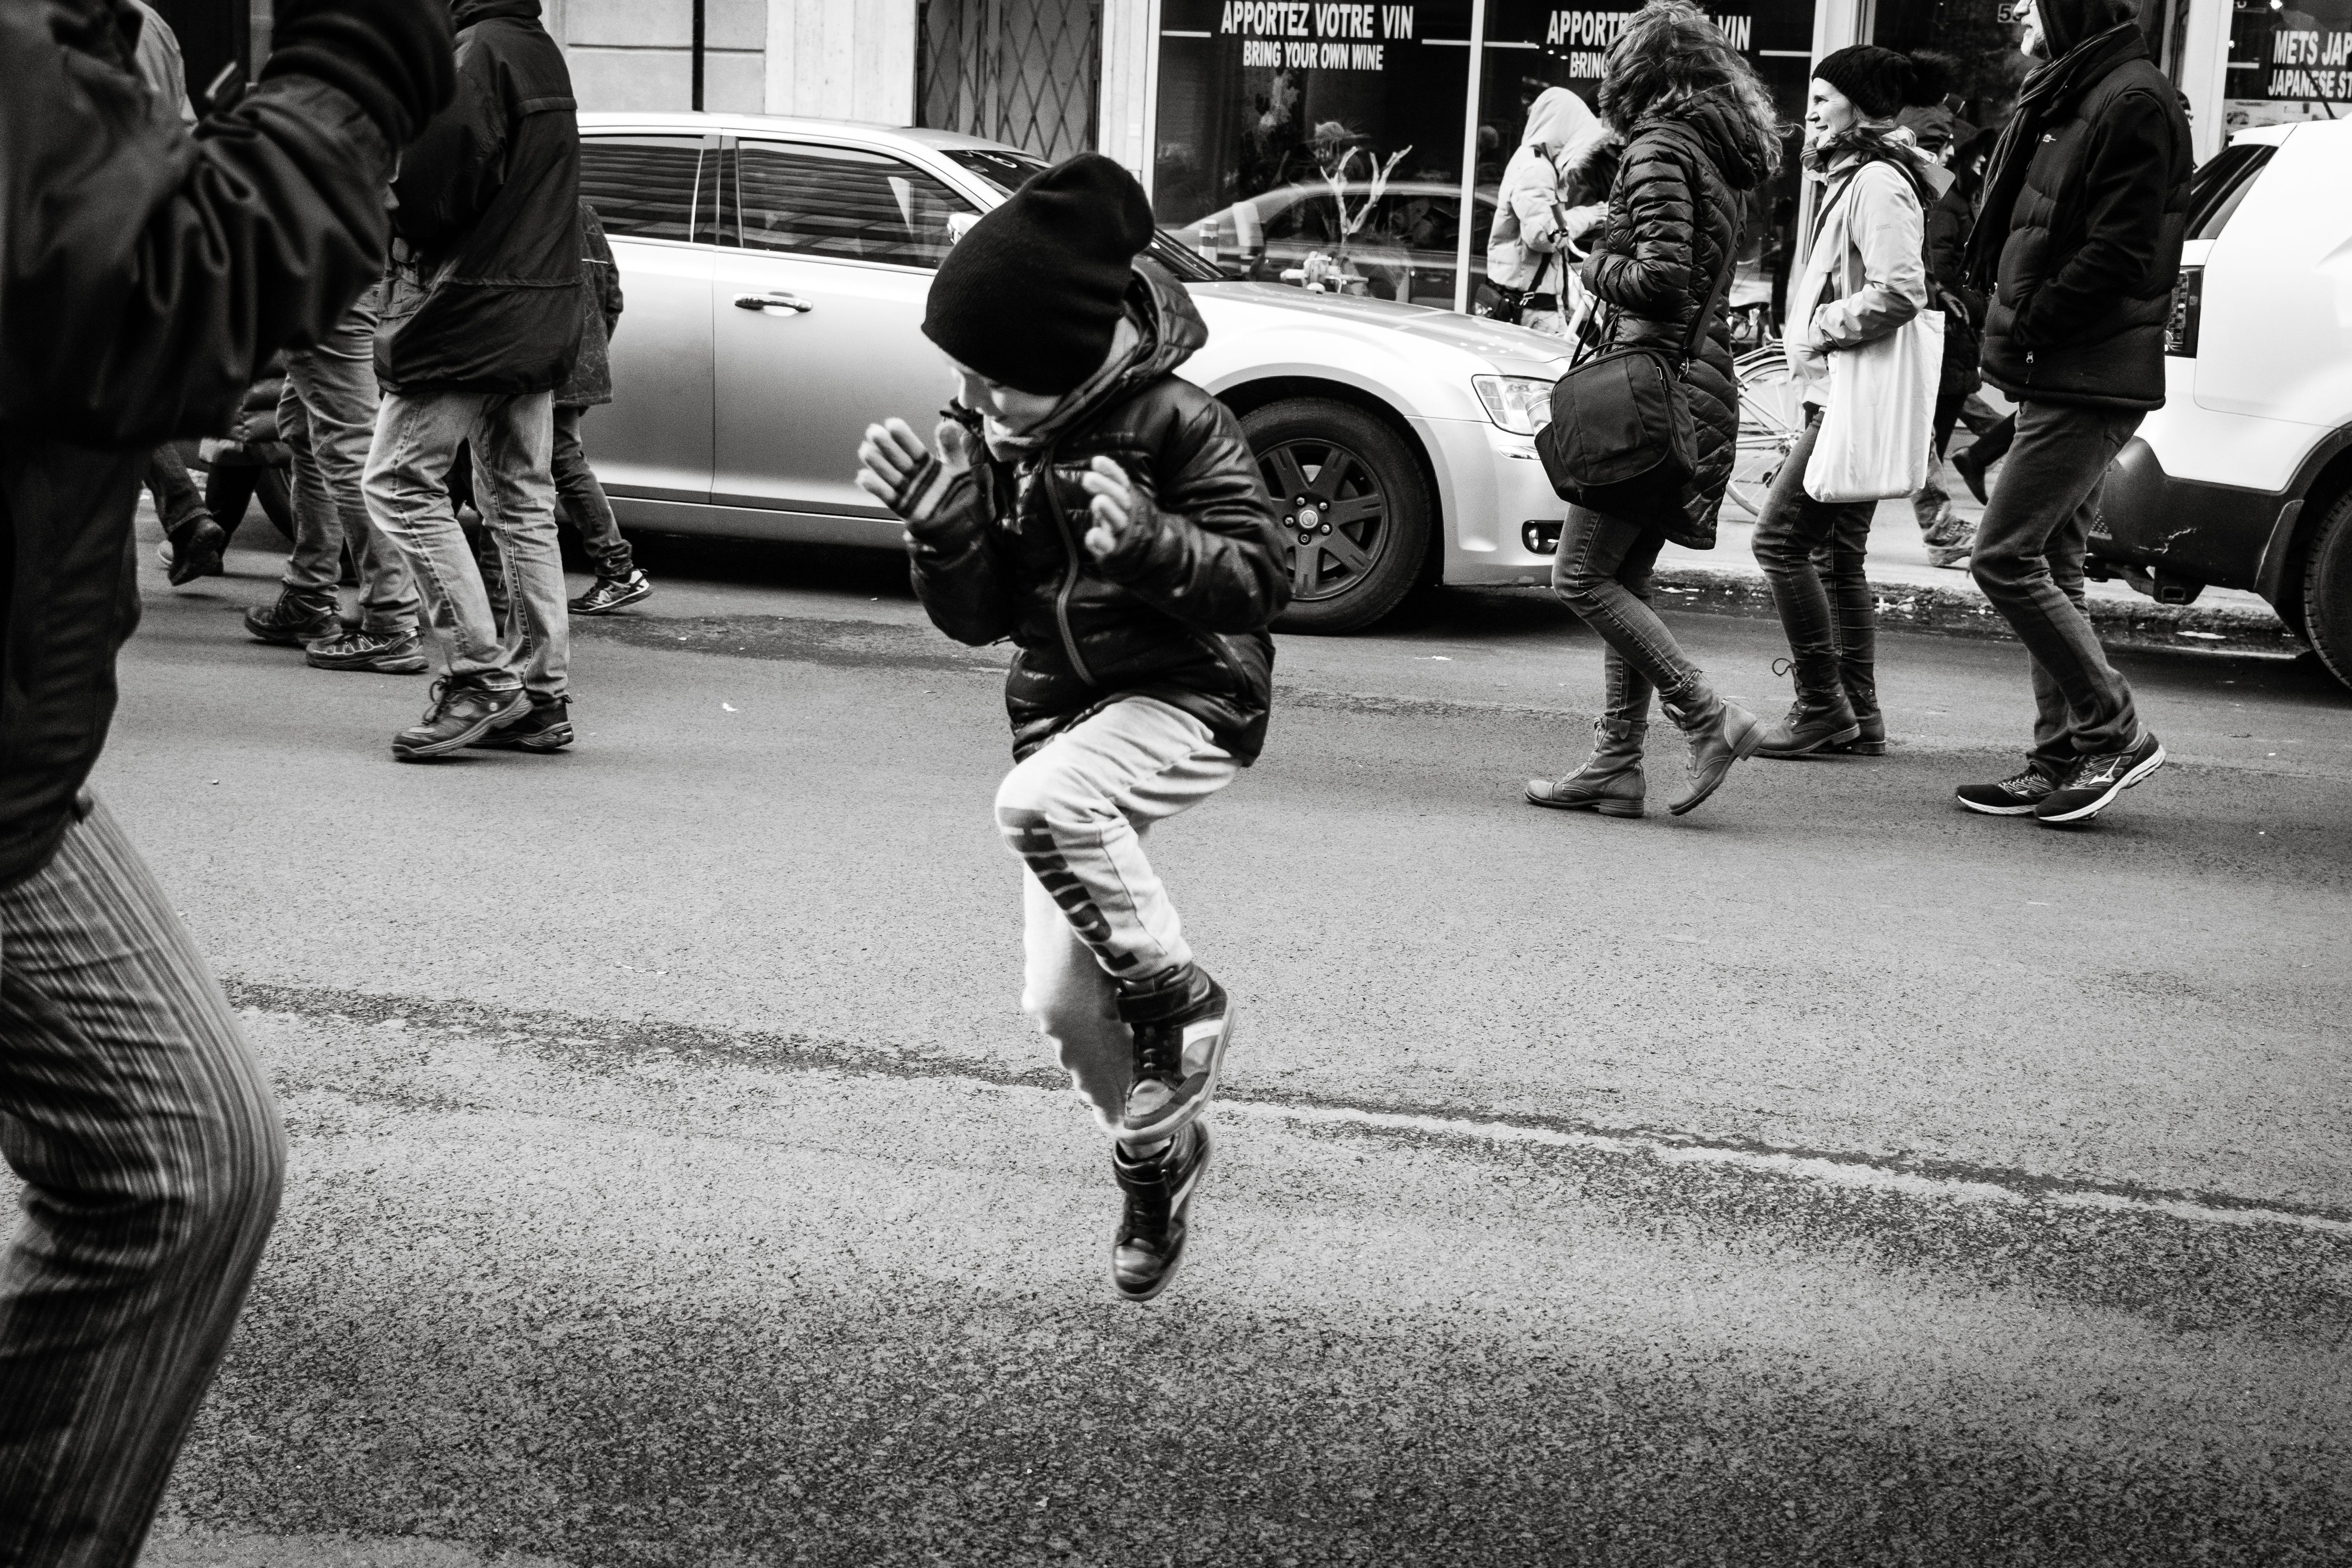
x: 1158, y: 1218
x: 1721, y: 733
x: 1610, y: 782
x: 1183, y: 1022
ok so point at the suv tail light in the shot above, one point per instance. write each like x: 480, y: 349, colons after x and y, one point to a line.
x: 2188, y: 304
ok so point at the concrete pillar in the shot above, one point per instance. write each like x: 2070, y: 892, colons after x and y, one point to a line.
x: 2204, y: 74
x: 1130, y: 78
x: 841, y: 59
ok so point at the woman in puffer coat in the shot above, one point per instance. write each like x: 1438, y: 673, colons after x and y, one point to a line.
x: 1699, y: 131
x: 1553, y: 195
x: 1864, y: 277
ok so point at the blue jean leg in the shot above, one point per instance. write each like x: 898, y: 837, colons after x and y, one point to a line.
x: 327, y: 416
x: 1603, y: 573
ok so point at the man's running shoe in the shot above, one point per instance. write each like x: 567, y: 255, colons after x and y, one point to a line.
x: 610, y: 593
x: 1183, y: 1024
x: 1157, y: 1223
x: 291, y: 620
x: 381, y: 653
x: 546, y: 728
x: 461, y: 713
x: 2016, y: 795
x: 2096, y: 781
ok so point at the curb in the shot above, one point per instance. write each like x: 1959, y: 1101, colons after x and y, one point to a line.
x: 1966, y: 613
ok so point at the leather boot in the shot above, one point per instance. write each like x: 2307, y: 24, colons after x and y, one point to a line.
x: 1721, y: 733
x: 1610, y: 782
x: 1819, y: 718
x: 1870, y: 724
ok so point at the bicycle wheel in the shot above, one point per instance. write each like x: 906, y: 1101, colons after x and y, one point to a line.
x: 1771, y: 418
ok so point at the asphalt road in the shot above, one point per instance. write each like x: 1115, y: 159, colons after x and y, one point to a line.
x: 1830, y: 1176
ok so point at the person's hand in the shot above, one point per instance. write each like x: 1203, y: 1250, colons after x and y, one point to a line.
x: 890, y: 455
x: 1113, y: 507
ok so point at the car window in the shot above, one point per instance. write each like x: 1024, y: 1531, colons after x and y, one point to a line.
x: 641, y: 186
x: 2216, y: 190
x: 1008, y: 171
x: 843, y: 203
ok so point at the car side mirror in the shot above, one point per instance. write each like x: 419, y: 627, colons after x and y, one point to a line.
x: 960, y: 224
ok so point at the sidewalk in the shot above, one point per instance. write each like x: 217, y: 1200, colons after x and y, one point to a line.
x: 1917, y: 597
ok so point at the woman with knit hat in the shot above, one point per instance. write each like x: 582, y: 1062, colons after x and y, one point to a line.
x: 1107, y: 517
x: 1863, y: 279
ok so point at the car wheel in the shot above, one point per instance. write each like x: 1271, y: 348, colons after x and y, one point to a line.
x: 2327, y: 590
x: 1354, y: 510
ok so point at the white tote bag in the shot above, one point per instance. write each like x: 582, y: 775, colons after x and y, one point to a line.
x: 1879, y: 433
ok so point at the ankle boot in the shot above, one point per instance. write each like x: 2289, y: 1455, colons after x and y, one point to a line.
x: 1610, y: 782
x: 1721, y: 733
x: 1819, y: 718
x: 1870, y: 724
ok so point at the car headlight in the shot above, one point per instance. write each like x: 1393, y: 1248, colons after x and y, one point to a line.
x: 1519, y: 404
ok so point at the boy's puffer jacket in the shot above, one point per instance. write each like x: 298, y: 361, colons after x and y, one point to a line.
x: 1179, y: 612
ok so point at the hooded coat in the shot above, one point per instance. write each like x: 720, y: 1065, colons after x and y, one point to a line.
x: 143, y: 274
x: 2085, y: 208
x: 1180, y: 610
x: 1663, y: 260
x: 1563, y: 142
x: 484, y: 292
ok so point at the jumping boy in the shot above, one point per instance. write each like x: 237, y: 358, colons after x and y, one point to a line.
x: 1109, y: 519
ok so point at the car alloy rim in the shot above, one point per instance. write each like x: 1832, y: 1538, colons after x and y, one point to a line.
x: 1333, y: 513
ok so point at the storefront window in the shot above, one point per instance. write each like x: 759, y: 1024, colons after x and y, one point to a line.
x: 1317, y: 142
x: 2288, y: 62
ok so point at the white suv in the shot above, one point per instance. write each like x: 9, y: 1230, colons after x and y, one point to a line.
x: 2243, y: 478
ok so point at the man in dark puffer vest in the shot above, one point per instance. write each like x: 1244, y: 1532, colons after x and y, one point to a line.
x: 145, y: 272
x: 480, y: 326
x: 2085, y: 205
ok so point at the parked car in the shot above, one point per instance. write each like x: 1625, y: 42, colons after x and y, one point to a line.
x: 2243, y: 478
x: 775, y: 271
x: 1404, y: 249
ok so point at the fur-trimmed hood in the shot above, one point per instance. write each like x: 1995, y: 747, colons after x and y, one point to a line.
x: 1713, y: 115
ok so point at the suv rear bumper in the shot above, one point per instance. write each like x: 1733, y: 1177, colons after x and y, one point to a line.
x: 2215, y: 534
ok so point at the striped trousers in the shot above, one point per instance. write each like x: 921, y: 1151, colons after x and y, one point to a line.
x: 151, y: 1157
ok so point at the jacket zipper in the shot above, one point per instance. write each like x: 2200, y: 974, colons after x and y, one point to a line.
x: 1070, y: 576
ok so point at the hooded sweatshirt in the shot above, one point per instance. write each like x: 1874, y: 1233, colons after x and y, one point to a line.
x: 1563, y: 136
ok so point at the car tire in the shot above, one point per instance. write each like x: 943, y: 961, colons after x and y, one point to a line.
x: 1368, y: 538
x: 2327, y: 590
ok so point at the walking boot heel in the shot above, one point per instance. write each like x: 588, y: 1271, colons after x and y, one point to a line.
x: 1621, y: 808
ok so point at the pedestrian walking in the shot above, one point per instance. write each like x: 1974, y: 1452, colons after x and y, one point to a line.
x: 2078, y: 243
x: 192, y: 544
x: 481, y: 322
x: 619, y: 582
x: 1108, y: 518
x: 252, y: 462
x: 1699, y: 131
x: 143, y: 273
x: 1864, y: 276
x: 1553, y: 194
x: 327, y: 418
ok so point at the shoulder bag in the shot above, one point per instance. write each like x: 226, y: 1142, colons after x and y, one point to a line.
x: 1620, y: 421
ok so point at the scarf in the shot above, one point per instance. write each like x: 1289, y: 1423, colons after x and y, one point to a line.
x: 2049, y: 92
x: 1129, y: 343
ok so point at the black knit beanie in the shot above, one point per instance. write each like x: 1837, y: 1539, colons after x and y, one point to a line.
x: 1879, y: 82
x: 1032, y: 295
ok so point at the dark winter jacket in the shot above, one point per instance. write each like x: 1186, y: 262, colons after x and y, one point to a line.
x: 2086, y: 207
x: 1180, y: 611
x: 1673, y: 224
x: 590, y: 381
x: 484, y: 294
x: 1948, y: 218
x: 143, y: 274
x: 253, y: 440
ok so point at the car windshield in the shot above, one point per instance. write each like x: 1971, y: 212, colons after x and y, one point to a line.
x: 1008, y: 170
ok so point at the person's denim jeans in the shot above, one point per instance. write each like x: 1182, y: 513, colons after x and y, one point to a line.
x: 2029, y: 561
x: 407, y: 494
x: 584, y: 501
x: 1603, y: 573
x: 1833, y: 644
x: 328, y: 417
x: 1075, y: 812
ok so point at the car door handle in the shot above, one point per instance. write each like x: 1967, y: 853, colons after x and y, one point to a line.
x: 792, y: 302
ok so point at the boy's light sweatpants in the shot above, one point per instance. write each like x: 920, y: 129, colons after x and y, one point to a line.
x: 1094, y: 910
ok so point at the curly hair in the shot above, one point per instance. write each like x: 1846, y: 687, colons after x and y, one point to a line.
x: 1669, y: 53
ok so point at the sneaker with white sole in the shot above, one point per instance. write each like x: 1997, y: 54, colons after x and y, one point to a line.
x: 1156, y: 1221
x: 609, y: 593
x: 375, y: 653
x: 2096, y: 781
x: 1183, y: 1022
x: 2016, y: 795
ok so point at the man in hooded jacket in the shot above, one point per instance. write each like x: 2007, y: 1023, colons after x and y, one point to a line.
x: 144, y: 273
x: 1554, y: 193
x: 2078, y: 243
x: 480, y: 326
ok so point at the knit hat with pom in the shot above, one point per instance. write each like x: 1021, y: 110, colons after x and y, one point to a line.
x: 1032, y: 295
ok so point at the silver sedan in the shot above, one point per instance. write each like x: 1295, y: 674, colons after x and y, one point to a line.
x: 775, y: 272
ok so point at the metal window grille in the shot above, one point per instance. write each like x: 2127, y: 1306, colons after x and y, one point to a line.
x: 1027, y: 72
